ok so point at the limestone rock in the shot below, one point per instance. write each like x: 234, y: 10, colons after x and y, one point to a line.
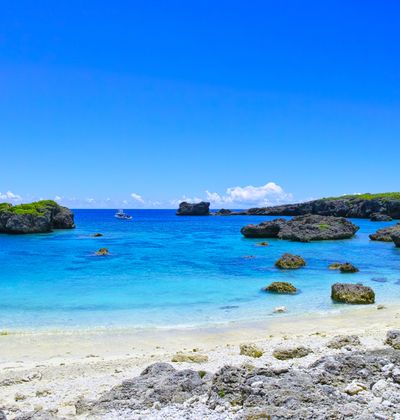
x: 189, y: 358
x: 251, y: 350
x: 385, y: 234
x: 352, y: 293
x: 38, y: 217
x: 395, y: 236
x: 303, y: 228
x: 290, y: 261
x: 354, y: 388
x: 348, y: 268
x: 393, y: 339
x: 193, y: 209
x: 102, y: 251
x: 380, y: 217
x: 340, y: 341
x: 281, y: 287
x: 269, y: 229
x: 291, y: 353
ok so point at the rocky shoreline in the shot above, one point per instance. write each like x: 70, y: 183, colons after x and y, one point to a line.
x: 379, y: 209
x: 318, y: 370
x: 376, y: 207
x: 351, y: 383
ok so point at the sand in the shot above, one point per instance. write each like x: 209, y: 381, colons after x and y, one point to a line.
x: 54, y: 369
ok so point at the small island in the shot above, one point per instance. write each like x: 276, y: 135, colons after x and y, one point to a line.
x: 37, y: 217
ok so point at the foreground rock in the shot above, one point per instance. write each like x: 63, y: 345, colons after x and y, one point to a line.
x: 193, y: 209
x: 387, y: 205
x: 291, y: 353
x: 343, y: 341
x: 357, y: 385
x: 38, y: 217
x: 290, y: 261
x: 251, y: 350
x: 281, y: 287
x: 159, y: 383
x: 189, y: 358
x: 303, y: 229
x: 396, y: 238
x: 393, y: 339
x: 352, y: 293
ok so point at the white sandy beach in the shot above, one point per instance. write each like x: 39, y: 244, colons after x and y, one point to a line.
x: 53, y: 370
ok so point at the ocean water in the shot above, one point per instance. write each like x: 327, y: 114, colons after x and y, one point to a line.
x: 165, y: 270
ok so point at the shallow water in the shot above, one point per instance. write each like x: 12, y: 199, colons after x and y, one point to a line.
x: 166, y: 270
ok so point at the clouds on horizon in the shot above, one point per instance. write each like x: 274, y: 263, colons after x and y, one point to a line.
x: 234, y: 197
x: 264, y: 195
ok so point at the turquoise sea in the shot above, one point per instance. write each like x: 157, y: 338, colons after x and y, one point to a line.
x: 165, y: 270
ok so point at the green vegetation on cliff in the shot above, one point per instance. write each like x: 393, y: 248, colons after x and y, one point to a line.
x: 368, y: 196
x: 36, y: 208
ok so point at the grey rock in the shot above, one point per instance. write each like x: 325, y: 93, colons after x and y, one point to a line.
x: 343, y: 207
x: 380, y: 217
x: 385, y: 234
x: 395, y: 236
x: 352, y: 293
x: 269, y: 229
x: 2, y: 415
x: 159, y: 383
x: 193, y: 209
x: 340, y: 341
x: 393, y: 339
x: 319, y: 391
x: 303, y: 228
x: 290, y: 261
x: 396, y: 375
x: 291, y: 353
x: 51, y: 216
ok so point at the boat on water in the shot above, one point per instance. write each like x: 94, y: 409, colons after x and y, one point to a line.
x: 121, y: 215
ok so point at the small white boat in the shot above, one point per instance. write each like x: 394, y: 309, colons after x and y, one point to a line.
x: 121, y: 215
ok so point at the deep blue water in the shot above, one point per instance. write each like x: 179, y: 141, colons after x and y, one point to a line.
x: 166, y: 270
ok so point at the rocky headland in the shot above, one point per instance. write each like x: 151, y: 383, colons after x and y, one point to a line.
x: 303, y: 228
x: 377, y: 207
x: 38, y: 217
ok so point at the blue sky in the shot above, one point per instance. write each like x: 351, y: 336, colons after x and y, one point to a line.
x: 243, y: 103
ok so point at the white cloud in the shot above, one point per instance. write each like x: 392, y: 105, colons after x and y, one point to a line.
x: 176, y: 201
x: 90, y: 200
x: 10, y: 196
x: 137, y: 197
x: 57, y: 198
x: 265, y: 195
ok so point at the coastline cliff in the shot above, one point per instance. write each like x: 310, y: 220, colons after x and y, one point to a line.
x: 375, y: 206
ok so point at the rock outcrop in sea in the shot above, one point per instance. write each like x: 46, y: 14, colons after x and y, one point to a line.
x: 396, y: 238
x: 193, y: 209
x: 281, y: 287
x: 38, y: 217
x: 352, y: 293
x: 303, y: 228
x: 385, y: 234
x: 362, y: 384
x: 380, y: 206
x: 290, y: 261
